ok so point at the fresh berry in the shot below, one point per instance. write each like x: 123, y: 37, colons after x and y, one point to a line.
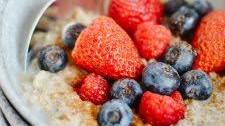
x: 209, y: 42
x: 52, y: 58
x: 183, y: 21
x: 127, y: 90
x: 159, y: 110
x: 180, y: 56
x: 106, y: 49
x: 196, y: 84
x: 71, y: 33
x: 95, y: 89
x: 152, y: 40
x: 172, y: 6
x: 201, y: 6
x: 115, y: 113
x: 160, y: 78
x: 129, y: 13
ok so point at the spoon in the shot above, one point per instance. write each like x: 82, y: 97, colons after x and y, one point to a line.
x: 36, y: 15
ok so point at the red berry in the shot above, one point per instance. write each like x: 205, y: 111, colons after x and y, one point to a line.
x: 106, y: 49
x: 152, y: 40
x: 129, y: 13
x: 177, y: 97
x: 95, y: 89
x: 159, y: 110
x: 209, y: 41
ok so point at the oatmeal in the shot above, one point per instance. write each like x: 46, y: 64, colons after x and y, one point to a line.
x: 61, y: 104
x: 210, y: 112
x: 55, y: 94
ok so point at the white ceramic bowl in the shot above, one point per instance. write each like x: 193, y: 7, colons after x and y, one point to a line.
x: 18, y: 19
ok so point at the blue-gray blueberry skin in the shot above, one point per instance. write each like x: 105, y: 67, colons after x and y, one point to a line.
x: 127, y: 90
x: 196, y: 84
x: 183, y: 21
x: 172, y: 6
x: 180, y: 56
x: 70, y: 34
x: 202, y: 6
x: 160, y: 78
x: 115, y: 113
x: 52, y: 58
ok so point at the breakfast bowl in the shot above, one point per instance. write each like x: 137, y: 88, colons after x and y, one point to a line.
x: 46, y: 98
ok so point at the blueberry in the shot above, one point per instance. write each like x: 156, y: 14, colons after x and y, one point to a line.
x: 127, y: 90
x: 173, y: 5
x: 183, y: 21
x: 180, y: 56
x: 196, y: 84
x: 160, y: 78
x: 71, y: 33
x: 115, y: 113
x: 201, y: 6
x: 52, y: 58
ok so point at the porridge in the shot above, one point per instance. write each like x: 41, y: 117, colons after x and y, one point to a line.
x: 56, y: 94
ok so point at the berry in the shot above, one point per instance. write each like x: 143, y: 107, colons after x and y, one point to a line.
x: 196, y: 84
x: 95, y: 89
x: 172, y: 6
x: 129, y: 13
x: 115, y: 113
x: 159, y: 110
x: 160, y: 78
x: 106, y: 49
x: 201, y: 6
x: 210, y: 43
x: 71, y: 33
x: 152, y: 40
x: 52, y: 58
x: 180, y: 56
x: 183, y: 21
x: 127, y: 90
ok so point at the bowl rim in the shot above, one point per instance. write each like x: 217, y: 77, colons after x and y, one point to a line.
x: 5, y: 80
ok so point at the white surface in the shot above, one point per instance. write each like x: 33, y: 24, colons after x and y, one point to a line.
x: 17, y: 22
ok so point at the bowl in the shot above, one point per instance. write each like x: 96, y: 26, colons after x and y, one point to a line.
x: 17, y: 24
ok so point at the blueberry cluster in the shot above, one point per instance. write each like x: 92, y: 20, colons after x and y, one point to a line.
x: 184, y: 15
x: 161, y: 78
x: 53, y: 58
x: 164, y: 78
x: 125, y: 93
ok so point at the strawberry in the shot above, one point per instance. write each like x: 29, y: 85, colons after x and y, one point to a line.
x: 152, y: 40
x: 129, y: 13
x: 106, y: 49
x: 95, y: 89
x: 209, y: 41
x: 159, y: 110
